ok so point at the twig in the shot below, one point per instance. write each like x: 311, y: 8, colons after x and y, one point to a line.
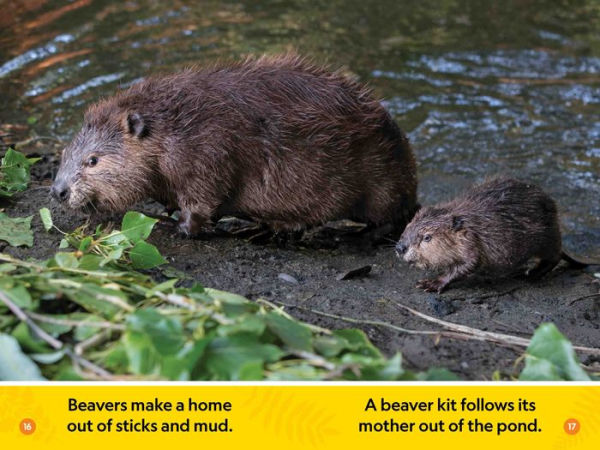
x: 162, y: 218
x: 316, y: 328
x: 485, y: 335
x: 53, y: 342
x: 189, y: 304
x: 377, y: 323
x: 314, y: 359
x: 585, y: 297
x: 75, y: 323
x: 92, y: 341
x: 17, y: 145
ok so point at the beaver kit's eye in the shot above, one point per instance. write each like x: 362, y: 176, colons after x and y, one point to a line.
x: 427, y: 238
x: 92, y: 161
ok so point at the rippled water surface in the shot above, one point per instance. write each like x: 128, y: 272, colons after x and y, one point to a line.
x: 481, y: 87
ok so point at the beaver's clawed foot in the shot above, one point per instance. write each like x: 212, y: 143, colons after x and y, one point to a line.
x: 436, y: 285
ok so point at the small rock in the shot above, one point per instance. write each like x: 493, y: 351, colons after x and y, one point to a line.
x: 287, y: 278
x: 355, y: 273
x: 441, y: 307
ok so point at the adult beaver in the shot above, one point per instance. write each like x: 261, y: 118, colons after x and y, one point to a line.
x: 277, y: 139
x: 495, y: 227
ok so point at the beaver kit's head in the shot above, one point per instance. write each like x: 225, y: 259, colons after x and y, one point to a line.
x: 108, y: 165
x: 433, y: 239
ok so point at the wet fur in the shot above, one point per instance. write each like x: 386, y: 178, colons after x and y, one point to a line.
x: 495, y: 227
x: 277, y: 139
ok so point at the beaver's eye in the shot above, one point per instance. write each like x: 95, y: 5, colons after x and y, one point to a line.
x: 92, y: 161
x: 427, y: 238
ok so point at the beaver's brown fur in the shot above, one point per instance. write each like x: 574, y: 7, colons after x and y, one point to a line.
x: 277, y: 139
x: 496, y: 227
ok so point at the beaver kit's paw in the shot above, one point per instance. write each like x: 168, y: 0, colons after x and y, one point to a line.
x: 435, y: 285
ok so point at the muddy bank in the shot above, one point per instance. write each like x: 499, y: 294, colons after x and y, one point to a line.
x: 305, y: 277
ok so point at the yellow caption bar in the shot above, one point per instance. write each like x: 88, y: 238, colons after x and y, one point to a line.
x: 323, y: 416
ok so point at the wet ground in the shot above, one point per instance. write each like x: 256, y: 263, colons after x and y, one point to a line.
x: 480, y: 89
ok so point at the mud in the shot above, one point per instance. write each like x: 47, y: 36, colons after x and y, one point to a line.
x: 303, y: 275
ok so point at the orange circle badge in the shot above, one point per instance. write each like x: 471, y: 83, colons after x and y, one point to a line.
x: 27, y: 426
x: 572, y: 426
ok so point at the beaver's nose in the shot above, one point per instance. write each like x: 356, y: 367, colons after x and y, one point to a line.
x: 401, y: 248
x: 60, y: 191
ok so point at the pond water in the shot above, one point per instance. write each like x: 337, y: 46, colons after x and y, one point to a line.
x: 481, y: 87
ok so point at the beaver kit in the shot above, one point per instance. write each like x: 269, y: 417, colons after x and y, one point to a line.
x: 495, y: 227
x: 278, y: 140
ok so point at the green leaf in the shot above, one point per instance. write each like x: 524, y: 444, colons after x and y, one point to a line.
x: 83, y: 332
x: 247, y: 323
x: 14, y: 172
x: 181, y: 366
x: 113, y: 255
x: 16, y: 231
x: 143, y: 357
x: 357, y: 341
x: 116, y: 239
x: 66, y: 260
x: 294, y: 373
x: 382, y: 369
x: 28, y: 341
x: 293, y: 334
x: 90, y: 262
x: 238, y: 357
x: 164, y: 333
x: 136, y: 226
x: 225, y: 297
x: 14, y: 364
x: 85, y: 244
x: 145, y: 256
x: 330, y: 346
x: 6, y: 268
x: 165, y: 286
x: 46, y: 218
x: 48, y: 358
x: 550, y: 356
x: 99, y: 300
x: 19, y: 296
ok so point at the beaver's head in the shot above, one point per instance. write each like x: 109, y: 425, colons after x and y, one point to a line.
x: 108, y: 165
x: 433, y: 239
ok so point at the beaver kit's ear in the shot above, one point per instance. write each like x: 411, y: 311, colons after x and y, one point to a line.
x: 136, y: 125
x: 457, y: 222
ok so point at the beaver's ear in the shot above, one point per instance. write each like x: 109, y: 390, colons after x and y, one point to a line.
x: 136, y: 125
x: 457, y: 222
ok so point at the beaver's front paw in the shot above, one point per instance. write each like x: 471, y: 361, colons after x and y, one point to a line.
x: 185, y: 230
x: 436, y: 285
x: 190, y: 225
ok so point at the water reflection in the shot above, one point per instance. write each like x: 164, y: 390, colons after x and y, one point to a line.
x: 481, y: 86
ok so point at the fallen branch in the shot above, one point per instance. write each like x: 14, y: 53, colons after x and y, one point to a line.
x: 17, y: 145
x: 458, y: 331
x: 481, y: 335
x: 585, y: 297
x: 378, y: 323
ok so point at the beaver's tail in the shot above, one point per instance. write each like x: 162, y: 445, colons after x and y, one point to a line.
x: 577, y: 262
